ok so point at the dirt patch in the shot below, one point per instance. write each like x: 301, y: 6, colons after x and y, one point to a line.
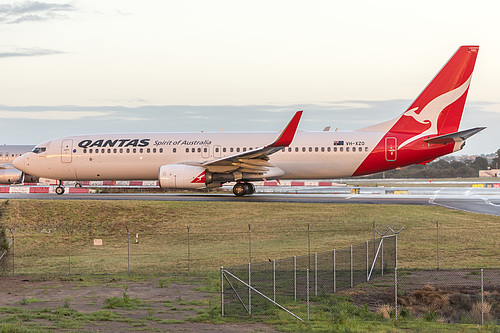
x: 156, y: 305
x: 444, y: 295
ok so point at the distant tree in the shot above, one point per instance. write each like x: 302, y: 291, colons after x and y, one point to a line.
x: 495, y: 163
x: 480, y: 163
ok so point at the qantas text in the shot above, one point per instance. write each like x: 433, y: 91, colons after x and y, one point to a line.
x: 114, y: 143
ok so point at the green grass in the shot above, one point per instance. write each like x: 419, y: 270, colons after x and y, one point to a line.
x: 219, y: 234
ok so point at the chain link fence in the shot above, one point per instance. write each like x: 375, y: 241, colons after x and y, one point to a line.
x: 254, y: 288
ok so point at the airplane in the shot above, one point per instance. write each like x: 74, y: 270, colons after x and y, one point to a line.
x: 8, y: 174
x: 426, y: 130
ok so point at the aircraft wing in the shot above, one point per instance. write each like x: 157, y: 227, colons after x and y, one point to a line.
x: 454, y: 137
x: 255, y: 161
x: 6, y: 166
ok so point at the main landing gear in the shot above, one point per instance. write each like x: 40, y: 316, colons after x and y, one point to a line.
x: 60, y: 188
x: 243, y: 188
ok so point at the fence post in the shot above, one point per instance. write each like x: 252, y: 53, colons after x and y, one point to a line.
x: 13, y: 250
x: 315, y: 274
x: 69, y: 250
x: 189, y: 248
x: 222, y: 290
x: 482, y: 296
x: 437, y: 242
x: 128, y: 250
x: 249, y: 242
x: 295, y: 278
x: 249, y: 288
x: 334, y: 272
x: 367, y: 263
x: 309, y: 244
x: 274, y: 280
x: 396, y: 293
x: 382, y: 257
x: 307, y: 295
x: 352, y: 264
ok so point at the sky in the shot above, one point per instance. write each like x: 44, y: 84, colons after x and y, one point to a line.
x: 76, y: 67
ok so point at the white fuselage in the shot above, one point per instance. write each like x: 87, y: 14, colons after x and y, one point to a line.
x: 312, y: 155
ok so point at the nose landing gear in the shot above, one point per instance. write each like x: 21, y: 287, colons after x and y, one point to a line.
x: 60, y: 188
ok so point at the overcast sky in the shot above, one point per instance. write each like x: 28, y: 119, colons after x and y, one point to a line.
x: 75, y: 67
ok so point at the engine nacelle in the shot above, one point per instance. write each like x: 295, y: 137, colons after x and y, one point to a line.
x: 11, y: 176
x: 181, y: 176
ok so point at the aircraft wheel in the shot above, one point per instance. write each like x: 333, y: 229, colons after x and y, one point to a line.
x: 59, y: 190
x: 78, y: 185
x: 251, y: 189
x: 240, y: 189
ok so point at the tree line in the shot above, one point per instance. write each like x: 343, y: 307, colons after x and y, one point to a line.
x: 443, y: 168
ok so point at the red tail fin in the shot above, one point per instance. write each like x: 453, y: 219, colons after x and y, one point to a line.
x: 438, y: 109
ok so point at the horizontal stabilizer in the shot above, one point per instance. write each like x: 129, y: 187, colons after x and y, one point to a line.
x: 454, y: 137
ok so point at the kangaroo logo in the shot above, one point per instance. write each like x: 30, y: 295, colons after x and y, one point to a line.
x: 430, y: 113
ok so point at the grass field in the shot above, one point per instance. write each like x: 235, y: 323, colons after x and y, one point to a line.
x: 219, y: 234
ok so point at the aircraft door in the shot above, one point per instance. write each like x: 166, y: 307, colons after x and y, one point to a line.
x: 391, y: 149
x: 66, y: 151
x: 205, y: 151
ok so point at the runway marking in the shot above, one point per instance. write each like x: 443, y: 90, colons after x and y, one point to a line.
x: 490, y: 203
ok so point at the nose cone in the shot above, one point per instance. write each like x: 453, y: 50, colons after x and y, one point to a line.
x: 20, y: 163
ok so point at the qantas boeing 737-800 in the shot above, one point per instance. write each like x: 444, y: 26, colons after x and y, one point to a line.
x: 426, y: 130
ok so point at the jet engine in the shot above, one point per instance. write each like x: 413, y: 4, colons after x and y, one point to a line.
x: 11, y: 176
x: 182, y: 176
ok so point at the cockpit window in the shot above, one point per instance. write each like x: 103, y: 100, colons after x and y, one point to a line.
x: 39, y: 150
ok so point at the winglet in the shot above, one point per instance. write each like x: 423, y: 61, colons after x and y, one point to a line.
x: 287, y: 135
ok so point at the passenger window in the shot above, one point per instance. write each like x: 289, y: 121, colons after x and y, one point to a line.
x: 316, y: 149
x: 216, y: 149
x: 141, y: 150
x: 205, y: 150
x: 134, y: 150
x: 154, y: 150
x: 224, y: 149
x: 346, y: 149
x: 244, y: 149
x: 114, y: 150
x: 296, y: 149
x: 174, y: 150
x: 322, y: 149
x: 121, y: 150
x: 329, y: 149
x: 303, y: 149
x: 109, y: 150
x: 91, y: 150
x: 341, y: 149
x: 353, y: 149
x: 128, y: 150
x: 231, y: 149
x: 161, y: 150
x: 187, y: 150
x: 335, y: 149
x: 366, y: 148
x: 238, y: 149
x: 149, y: 150
x: 84, y: 151
x: 289, y: 149
x: 199, y: 150
x: 310, y: 149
